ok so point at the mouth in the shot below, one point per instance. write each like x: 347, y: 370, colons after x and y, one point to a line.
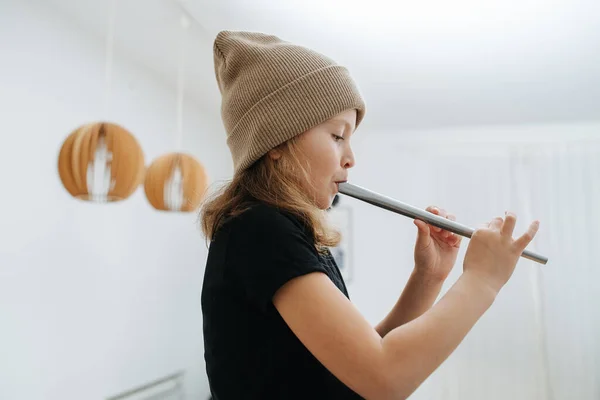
x: 337, y: 184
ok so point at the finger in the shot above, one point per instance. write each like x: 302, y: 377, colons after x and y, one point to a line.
x: 434, y: 210
x: 449, y: 238
x: 452, y: 237
x: 509, y: 224
x: 424, y: 228
x: 420, y: 224
x: 496, y: 223
x: 458, y: 241
x: 455, y: 240
x: 521, y: 243
x: 423, y: 236
x: 451, y: 217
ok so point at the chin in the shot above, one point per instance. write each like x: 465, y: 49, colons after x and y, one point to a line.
x: 326, y: 203
x: 323, y: 206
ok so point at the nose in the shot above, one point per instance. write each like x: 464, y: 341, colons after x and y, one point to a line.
x: 348, y: 159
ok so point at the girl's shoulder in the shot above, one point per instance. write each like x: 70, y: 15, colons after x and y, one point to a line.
x: 261, y: 216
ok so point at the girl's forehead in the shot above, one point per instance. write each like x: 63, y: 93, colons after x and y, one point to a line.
x: 341, y: 120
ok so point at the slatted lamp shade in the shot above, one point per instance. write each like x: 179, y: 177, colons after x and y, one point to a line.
x: 101, y: 162
x: 175, y: 182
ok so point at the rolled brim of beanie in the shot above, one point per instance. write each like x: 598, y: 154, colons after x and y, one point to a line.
x: 291, y: 110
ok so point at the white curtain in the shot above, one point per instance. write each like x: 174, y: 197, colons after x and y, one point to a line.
x: 561, y: 183
x: 541, y: 338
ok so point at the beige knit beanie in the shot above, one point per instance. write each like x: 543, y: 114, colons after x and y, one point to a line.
x: 273, y: 90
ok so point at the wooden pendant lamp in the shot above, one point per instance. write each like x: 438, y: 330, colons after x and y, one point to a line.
x: 176, y: 181
x: 102, y: 161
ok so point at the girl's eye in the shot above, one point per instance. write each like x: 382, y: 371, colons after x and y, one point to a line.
x: 337, y: 138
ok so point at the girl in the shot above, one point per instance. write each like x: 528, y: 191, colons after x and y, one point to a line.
x: 278, y: 322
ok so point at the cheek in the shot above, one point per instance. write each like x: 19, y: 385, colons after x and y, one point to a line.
x: 323, y: 160
x: 326, y: 166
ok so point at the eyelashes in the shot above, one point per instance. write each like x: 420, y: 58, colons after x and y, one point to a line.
x: 337, y: 138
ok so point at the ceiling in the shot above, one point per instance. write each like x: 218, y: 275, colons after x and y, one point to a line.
x: 420, y: 65
x: 149, y: 33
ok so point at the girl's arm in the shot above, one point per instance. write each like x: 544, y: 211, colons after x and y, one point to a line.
x: 435, y: 255
x: 418, y: 296
x: 393, y: 367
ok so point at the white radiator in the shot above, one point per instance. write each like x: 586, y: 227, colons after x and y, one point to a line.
x: 166, y: 388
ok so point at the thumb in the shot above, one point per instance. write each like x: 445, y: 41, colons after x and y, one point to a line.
x: 422, y: 234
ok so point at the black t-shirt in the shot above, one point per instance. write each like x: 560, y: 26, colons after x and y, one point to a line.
x: 250, y: 352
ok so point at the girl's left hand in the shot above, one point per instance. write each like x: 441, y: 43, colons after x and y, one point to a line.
x: 436, y: 249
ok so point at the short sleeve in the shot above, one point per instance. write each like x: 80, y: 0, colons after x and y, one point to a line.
x: 266, y: 249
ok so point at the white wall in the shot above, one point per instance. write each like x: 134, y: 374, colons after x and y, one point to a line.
x: 409, y: 166
x: 94, y: 299
x: 536, y: 342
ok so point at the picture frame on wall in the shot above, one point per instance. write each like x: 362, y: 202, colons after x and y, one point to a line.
x: 341, y: 218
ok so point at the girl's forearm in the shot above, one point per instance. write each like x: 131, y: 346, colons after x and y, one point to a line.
x: 414, y: 350
x: 418, y: 296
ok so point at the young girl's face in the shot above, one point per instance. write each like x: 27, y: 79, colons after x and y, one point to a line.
x: 325, y: 150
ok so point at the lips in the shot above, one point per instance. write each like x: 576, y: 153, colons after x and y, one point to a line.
x: 337, y: 184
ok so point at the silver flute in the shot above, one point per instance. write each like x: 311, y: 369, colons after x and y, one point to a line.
x: 407, y: 210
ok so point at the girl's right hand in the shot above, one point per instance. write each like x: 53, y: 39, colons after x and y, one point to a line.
x: 492, y: 253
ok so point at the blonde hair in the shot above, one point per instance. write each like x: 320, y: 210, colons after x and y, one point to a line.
x: 274, y: 182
